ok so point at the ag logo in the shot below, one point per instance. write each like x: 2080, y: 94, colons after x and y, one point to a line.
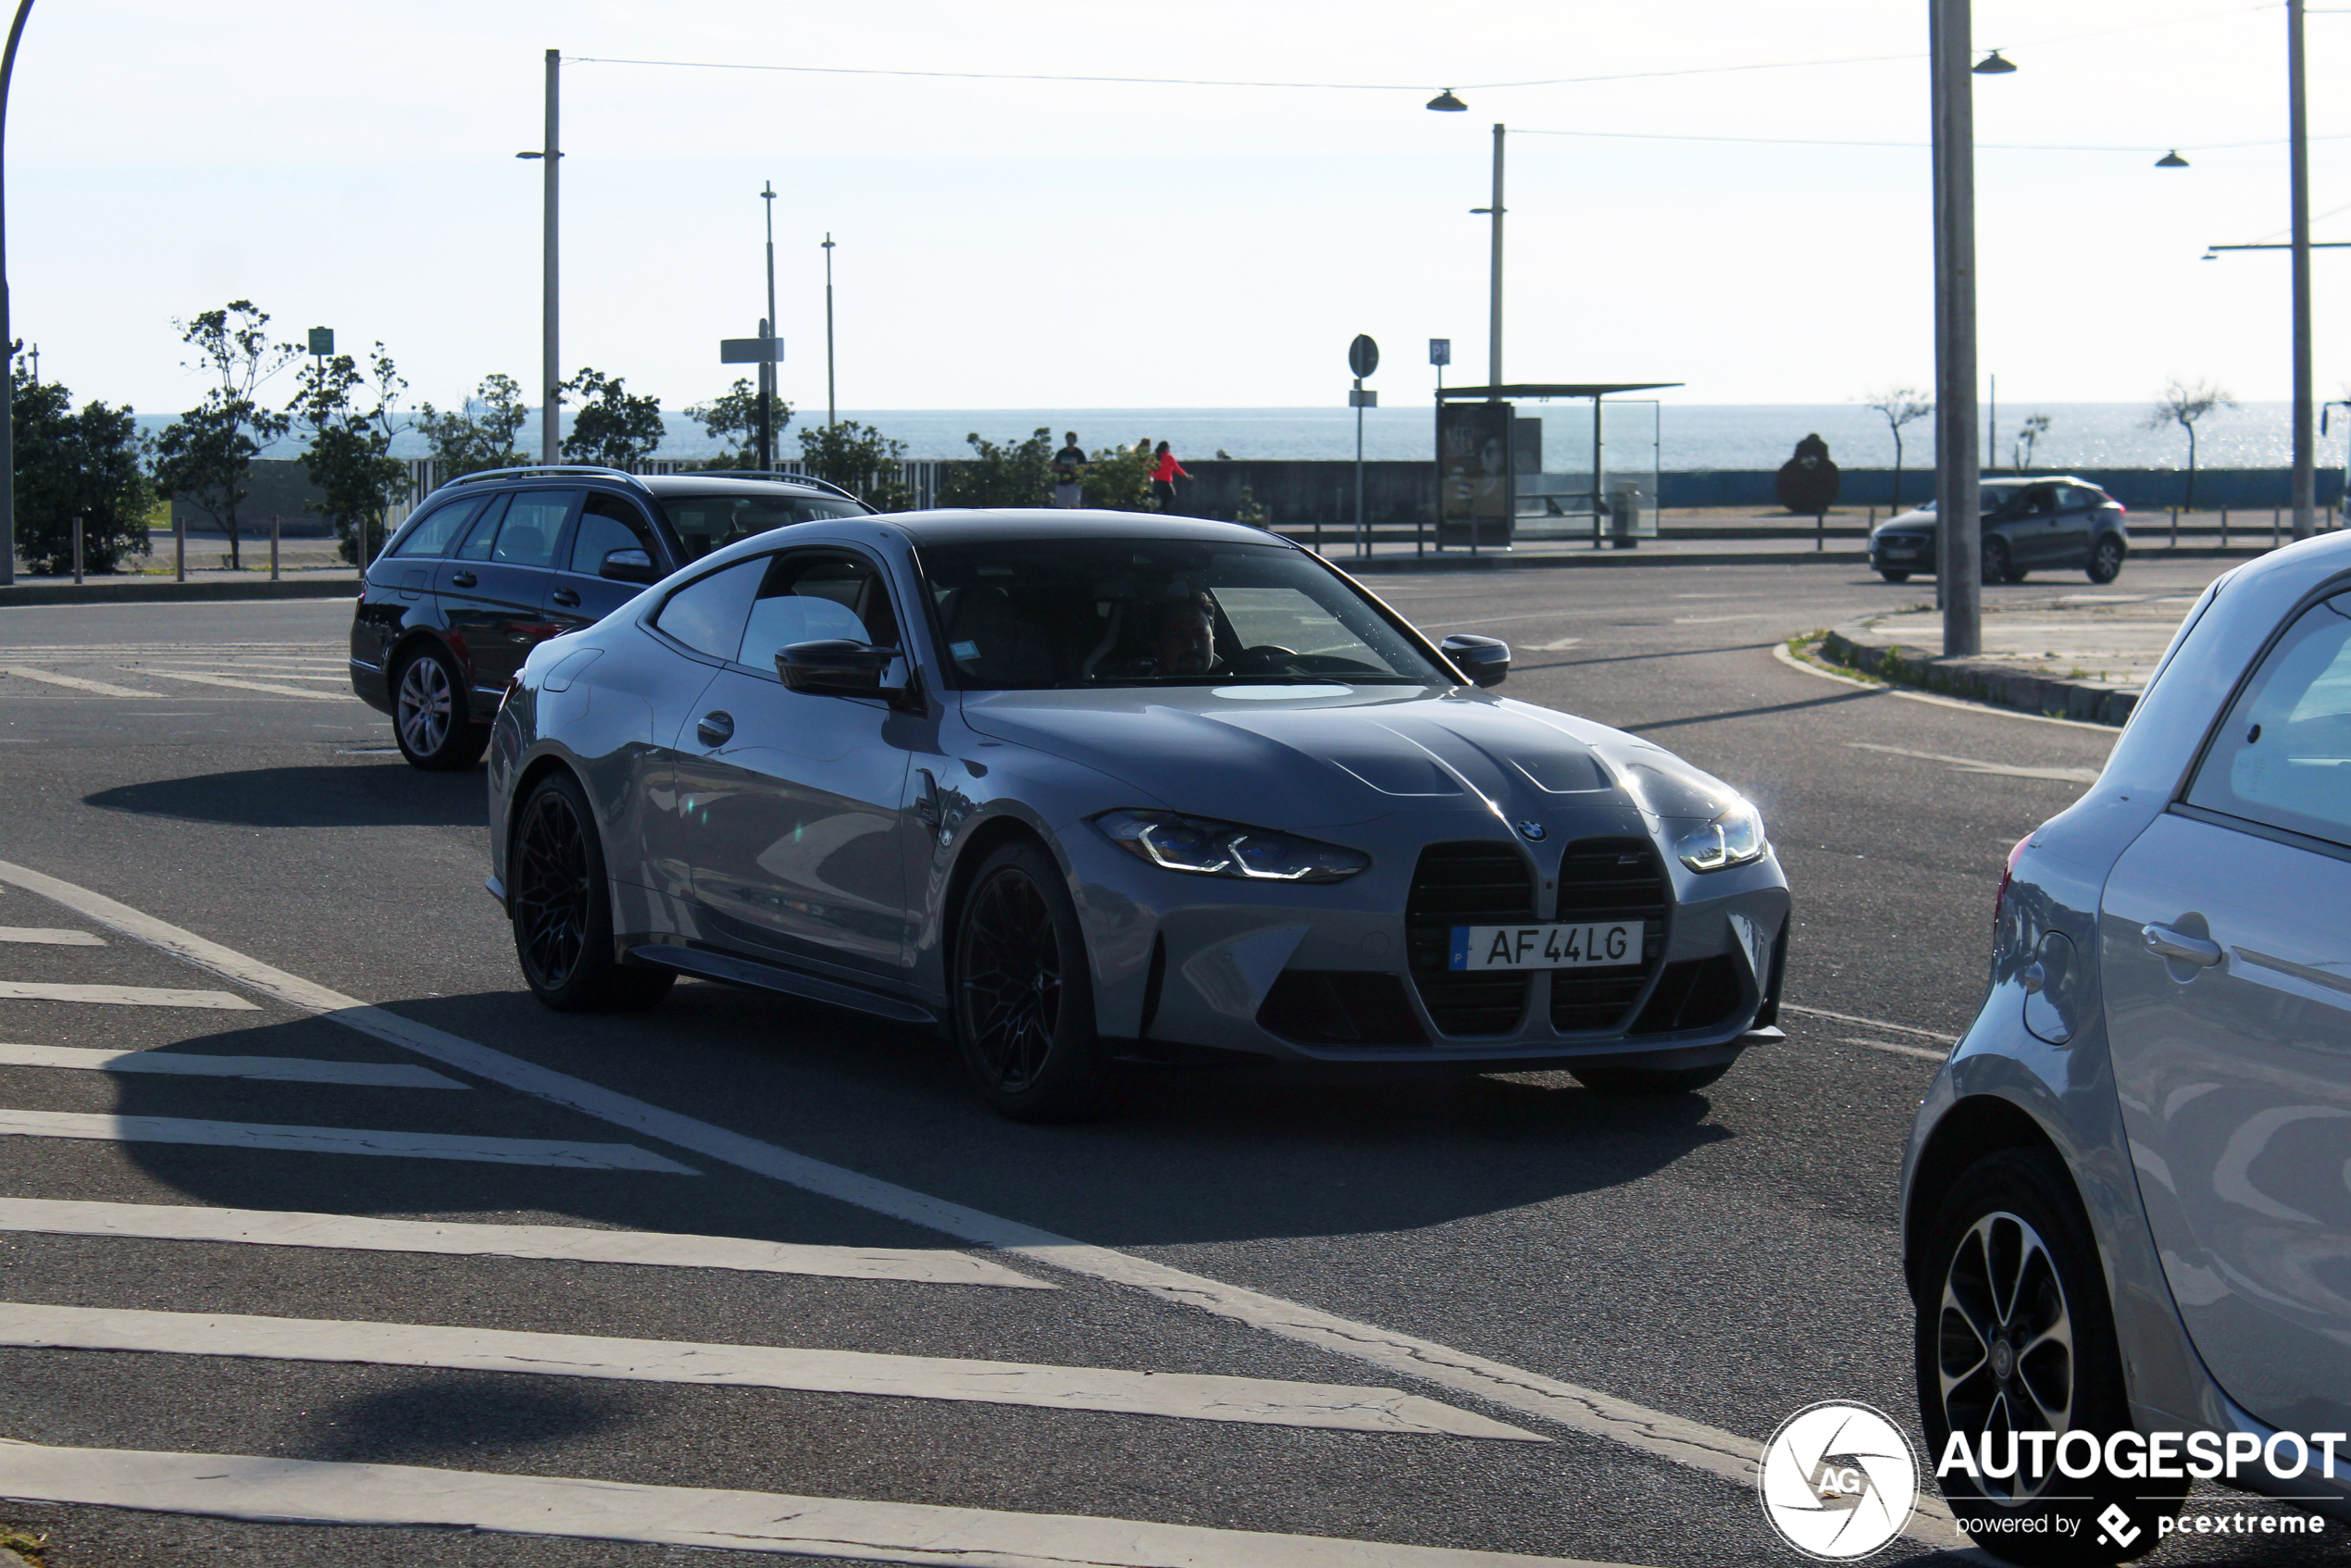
x: 1838, y: 1481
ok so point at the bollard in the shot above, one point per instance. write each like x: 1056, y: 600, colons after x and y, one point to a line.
x: 1820, y: 531
x: 77, y: 549
x: 273, y: 547
x: 2224, y: 528
x: 2273, y: 526
x: 179, y: 546
x: 2175, y: 527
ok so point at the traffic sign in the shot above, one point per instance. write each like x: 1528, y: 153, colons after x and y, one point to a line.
x: 1363, y: 354
x: 1440, y: 351
x: 322, y: 341
x: 750, y: 351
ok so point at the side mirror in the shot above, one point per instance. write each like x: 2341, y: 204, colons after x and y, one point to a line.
x: 836, y: 668
x: 1486, y: 660
x: 628, y: 565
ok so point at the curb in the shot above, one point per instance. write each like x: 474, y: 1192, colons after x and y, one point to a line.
x: 1501, y: 560
x: 137, y: 592
x: 1981, y: 680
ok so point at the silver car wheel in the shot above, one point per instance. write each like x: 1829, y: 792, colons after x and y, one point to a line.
x: 426, y: 702
x: 2005, y: 1347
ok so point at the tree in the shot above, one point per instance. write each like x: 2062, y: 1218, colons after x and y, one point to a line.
x: 465, y: 441
x: 611, y: 426
x: 860, y: 459
x: 2028, y: 437
x: 1900, y: 405
x: 205, y: 457
x: 2182, y: 403
x: 71, y: 465
x: 348, y: 454
x: 1011, y: 475
x: 733, y: 418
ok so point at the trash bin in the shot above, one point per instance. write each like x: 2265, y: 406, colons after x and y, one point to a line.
x: 1625, y: 516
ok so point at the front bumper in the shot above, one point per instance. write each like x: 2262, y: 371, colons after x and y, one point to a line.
x: 1901, y: 552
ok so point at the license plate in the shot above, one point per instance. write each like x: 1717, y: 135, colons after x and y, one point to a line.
x: 1547, y: 947
x: 1899, y: 549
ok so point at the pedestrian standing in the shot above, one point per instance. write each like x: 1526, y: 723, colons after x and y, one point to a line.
x: 1069, y: 469
x: 1165, y: 471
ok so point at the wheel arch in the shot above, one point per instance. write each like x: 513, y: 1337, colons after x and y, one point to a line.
x: 1973, y: 1129
x: 525, y: 782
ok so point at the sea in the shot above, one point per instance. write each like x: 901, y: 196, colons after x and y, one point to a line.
x: 1687, y: 436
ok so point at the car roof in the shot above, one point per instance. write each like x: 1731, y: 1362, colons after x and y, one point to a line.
x: 1002, y: 525
x: 2039, y: 479
x: 717, y: 483
x: 706, y: 483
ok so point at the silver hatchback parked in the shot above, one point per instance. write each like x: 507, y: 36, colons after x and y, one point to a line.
x: 2127, y: 1197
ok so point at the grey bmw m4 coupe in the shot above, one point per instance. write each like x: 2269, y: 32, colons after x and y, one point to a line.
x: 1081, y: 787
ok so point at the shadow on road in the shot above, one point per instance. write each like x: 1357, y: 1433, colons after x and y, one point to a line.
x: 389, y: 794
x: 459, y: 1414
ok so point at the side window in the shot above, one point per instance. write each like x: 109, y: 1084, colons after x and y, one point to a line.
x: 608, y: 523
x: 484, y: 532
x: 438, y: 528
x: 708, y: 614
x: 534, y: 521
x: 2283, y: 756
x: 814, y: 596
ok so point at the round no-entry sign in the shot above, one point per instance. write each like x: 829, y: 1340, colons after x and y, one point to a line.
x: 1363, y: 354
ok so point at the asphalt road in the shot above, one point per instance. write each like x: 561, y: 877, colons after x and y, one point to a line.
x: 1723, y: 1258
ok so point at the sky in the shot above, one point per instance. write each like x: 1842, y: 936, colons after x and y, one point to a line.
x: 1027, y: 244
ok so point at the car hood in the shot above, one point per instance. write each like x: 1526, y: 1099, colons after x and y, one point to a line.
x: 1919, y: 519
x: 1287, y: 758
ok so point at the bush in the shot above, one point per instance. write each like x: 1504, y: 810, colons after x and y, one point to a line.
x: 860, y: 459
x: 73, y: 465
x: 1018, y: 475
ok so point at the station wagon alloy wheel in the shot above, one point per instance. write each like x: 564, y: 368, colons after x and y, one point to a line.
x: 426, y: 706
x: 2006, y: 1344
x: 550, y: 899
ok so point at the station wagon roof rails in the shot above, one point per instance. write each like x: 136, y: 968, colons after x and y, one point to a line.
x: 826, y: 485
x: 573, y: 470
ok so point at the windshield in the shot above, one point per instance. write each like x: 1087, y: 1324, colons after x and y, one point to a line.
x: 705, y: 523
x: 1034, y: 614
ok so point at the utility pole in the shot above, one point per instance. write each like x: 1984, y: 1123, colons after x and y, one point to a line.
x: 767, y: 332
x: 831, y: 418
x: 1494, y: 284
x: 1959, y: 519
x: 7, y: 342
x: 549, y: 359
x: 2298, y: 167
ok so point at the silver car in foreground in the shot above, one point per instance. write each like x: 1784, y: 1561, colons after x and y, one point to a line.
x: 2127, y: 1197
x: 1078, y: 787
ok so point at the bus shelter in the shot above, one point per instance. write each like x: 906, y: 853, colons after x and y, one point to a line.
x: 1502, y: 475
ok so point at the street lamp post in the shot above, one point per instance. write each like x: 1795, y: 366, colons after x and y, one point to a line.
x: 767, y: 331
x: 549, y: 377
x: 2298, y: 175
x: 1494, y: 282
x: 7, y: 342
x: 830, y: 418
x: 1958, y: 522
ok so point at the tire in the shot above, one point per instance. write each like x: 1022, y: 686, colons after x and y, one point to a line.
x: 560, y: 906
x: 431, y: 718
x: 1023, y: 1003
x: 1998, y: 563
x: 2014, y: 1227
x: 2106, y: 559
x: 1896, y: 577
x: 1648, y: 1080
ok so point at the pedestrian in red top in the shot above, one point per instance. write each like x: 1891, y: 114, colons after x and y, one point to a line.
x: 1165, y: 471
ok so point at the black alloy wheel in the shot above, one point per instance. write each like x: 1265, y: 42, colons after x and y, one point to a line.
x: 2012, y: 1335
x: 1998, y: 563
x: 1023, y: 1006
x: 2106, y: 559
x: 561, y: 908
x: 431, y: 718
x: 1604, y: 1080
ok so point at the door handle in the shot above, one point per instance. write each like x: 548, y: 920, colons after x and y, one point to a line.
x: 566, y: 597
x: 715, y: 729
x: 2165, y: 942
x: 462, y: 579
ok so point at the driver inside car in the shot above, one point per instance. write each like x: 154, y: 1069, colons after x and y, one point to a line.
x: 1186, y: 640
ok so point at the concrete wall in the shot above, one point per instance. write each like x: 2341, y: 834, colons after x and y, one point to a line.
x: 2141, y: 490
x: 278, y: 486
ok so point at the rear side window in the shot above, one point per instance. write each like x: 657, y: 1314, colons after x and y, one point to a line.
x: 2283, y: 757
x: 533, y: 522
x: 708, y: 614
x: 705, y: 523
x: 607, y: 523
x: 434, y: 532
x: 484, y: 533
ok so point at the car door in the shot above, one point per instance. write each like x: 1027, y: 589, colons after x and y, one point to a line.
x: 579, y: 593
x: 2077, y: 508
x: 792, y: 804
x: 2225, y: 954
x: 2028, y: 524
x: 491, y: 589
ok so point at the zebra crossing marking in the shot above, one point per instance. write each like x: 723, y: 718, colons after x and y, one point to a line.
x: 243, y: 685
x: 1259, y: 1401
x: 73, y: 682
x: 124, y: 996
x: 50, y: 936
x: 279, y: 1069
x: 106, y: 1128
x: 327, y: 1492
x: 275, y: 1228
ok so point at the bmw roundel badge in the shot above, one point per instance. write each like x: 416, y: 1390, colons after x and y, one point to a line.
x: 1532, y: 830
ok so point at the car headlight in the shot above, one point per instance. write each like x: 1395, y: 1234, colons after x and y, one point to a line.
x: 1733, y: 838
x: 1207, y: 848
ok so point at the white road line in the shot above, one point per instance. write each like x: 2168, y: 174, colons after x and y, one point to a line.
x: 109, y: 1128
x: 243, y: 685
x: 1969, y: 765
x: 123, y: 996
x: 50, y: 936
x: 1922, y: 1053
x: 73, y: 682
x: 278, y: 1069
x: 1780, y: 651
x: 314, y: 1492
x: 1258, y: 1401
x: 1867, y: 1023
x: 1724, y: 1454
x: 273, y: 1227
x: 272, y: 674
x: 1557, y: 645
x: 1709, y: 620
